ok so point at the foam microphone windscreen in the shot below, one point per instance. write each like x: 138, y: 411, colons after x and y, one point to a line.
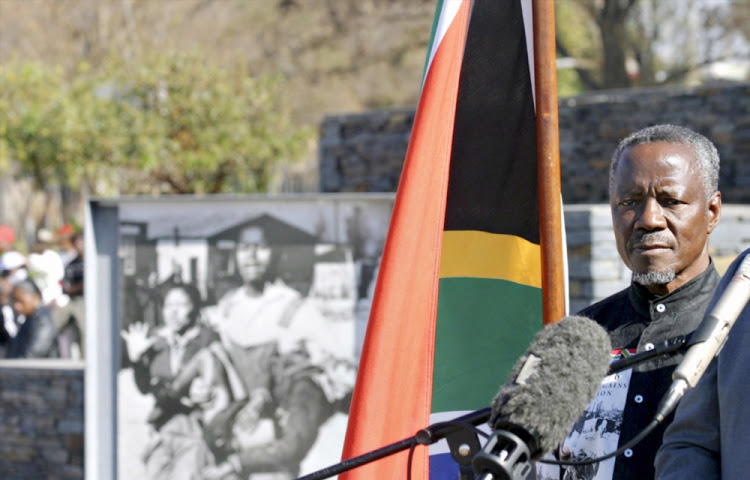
x: 550, y: 386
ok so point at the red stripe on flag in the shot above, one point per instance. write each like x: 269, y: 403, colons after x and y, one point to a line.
x: 392, y: 397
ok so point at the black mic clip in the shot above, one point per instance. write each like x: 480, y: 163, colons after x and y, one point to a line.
x: 505, y: 456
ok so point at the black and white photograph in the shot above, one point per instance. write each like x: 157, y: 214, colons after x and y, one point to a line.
x: 594, y: 434
x: 240, y: 330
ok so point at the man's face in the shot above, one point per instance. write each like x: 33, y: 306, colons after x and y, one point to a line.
x: 661, y: 216
x: 24, y: 302
x: 253, y: 255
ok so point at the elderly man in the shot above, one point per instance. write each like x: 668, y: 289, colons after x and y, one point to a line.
x: 665, y: 203
x: 709, y: 435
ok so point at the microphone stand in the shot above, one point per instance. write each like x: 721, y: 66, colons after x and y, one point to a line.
x: 463, y: 445
x: 463, y: 442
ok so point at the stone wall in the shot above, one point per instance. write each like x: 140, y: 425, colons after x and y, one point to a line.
x: 364, y: 153
x: 41, y: 427
x: 592, y: 125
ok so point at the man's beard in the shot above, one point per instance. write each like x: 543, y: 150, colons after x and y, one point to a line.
x: 654, y: 278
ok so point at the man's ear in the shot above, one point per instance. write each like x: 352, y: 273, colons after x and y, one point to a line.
x: 714, y: 211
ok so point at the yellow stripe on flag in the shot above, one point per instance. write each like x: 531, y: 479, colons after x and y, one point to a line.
x: 470, y: 253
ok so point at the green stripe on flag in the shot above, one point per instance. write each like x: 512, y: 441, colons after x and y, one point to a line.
x: 491, y: 317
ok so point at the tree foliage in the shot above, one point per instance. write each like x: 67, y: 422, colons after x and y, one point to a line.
x: 170, y: 123
x: 335, y: 55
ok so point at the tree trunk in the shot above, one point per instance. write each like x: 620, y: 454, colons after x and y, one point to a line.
x: 611, y: 21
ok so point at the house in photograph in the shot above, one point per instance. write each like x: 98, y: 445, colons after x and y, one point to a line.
x: 200, y: 249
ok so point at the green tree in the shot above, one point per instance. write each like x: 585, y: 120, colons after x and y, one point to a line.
x: 168, y: 123
x: 33, y: 111
x: 197, y: 128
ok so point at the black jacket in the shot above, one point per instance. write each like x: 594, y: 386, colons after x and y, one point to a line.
x: 637, y: 320
x: 37, y: 337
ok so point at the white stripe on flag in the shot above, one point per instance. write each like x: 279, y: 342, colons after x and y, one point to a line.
x: 447, y: 14
x: 528, y: 28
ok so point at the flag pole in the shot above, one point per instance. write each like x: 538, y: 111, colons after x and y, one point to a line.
x: 548, y: 153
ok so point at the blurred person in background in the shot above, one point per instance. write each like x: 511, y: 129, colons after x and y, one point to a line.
x: 37, y: 336
x: 8, y: 323
x: 46, y: 268
x: 64, y: 240
x: 12, y: 270
x: 14, y: 266
x: 4, y: 341
x: 7, y: 239
x: 72, y: 314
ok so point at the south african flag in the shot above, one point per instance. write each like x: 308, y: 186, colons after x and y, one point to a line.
x: 458, y: 296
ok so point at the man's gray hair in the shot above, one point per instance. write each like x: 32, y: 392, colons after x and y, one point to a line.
x: 704, y: 151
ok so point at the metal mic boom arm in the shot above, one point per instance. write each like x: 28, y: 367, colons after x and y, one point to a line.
x: 426, y: 436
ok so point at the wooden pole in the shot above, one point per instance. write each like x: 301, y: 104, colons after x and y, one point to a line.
x: 548, y: 153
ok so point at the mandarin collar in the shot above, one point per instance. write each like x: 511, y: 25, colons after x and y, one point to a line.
x: 682, y: 299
